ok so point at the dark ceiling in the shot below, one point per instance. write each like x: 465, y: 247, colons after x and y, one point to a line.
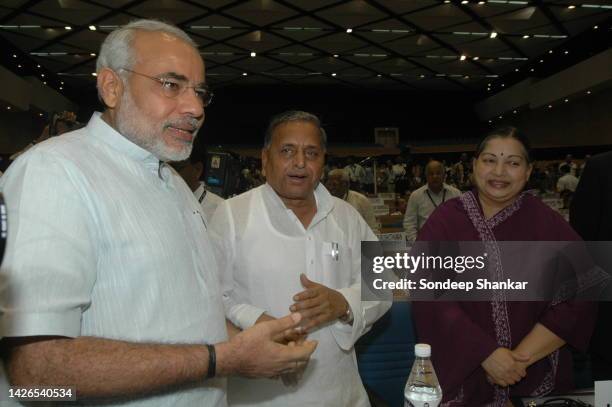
x: 394, y: 44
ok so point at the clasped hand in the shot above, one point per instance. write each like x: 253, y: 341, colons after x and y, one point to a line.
x: 505, y: 367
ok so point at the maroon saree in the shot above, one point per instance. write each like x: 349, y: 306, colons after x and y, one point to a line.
x: 463, y: 334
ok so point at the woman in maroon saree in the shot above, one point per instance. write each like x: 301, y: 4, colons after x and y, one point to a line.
x: 486, y: 352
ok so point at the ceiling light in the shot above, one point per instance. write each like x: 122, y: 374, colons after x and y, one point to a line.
x: 349, y: 30
x: 68, y: 27
x: 60, y: 88
x: 334, y: 74
x: 38, y: 66
x: 588, y: 92
x: 422, y: 76
x: 466, y: 77
x: 514, y: 111
x: 18, y: 66
x: 503, y: 85
x: 531, y: 69
x: 94, y: 74
x: 44, y: 83
x: 501, y: 117
x: 14, y: 56
x: 595, y: 27
x: 253, y: 54
x: 464, y: 2
x: 550, y: 51
x: 336, y: 55
x: 571, y: 7
x: 525, y: 36
x: 446, y: 1
x: 62, y: 82
x: 92, y: 27
x: 92, y: 54
x: 541, y: 61
x: 550, y: 106
x: 566, y: 52
x: 40, y: 114
x: 493, y: 34
x: 42, y: 75
x: 8, y: 108
x: 244, y: 74
x: 481, y: 2
x: 566, y: 100
x: 476, y: 58
x: 379, y: 75
x: 462, y: 58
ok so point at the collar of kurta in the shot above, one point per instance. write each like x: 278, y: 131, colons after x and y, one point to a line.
x: 98, y: 129
x: 323, y: 199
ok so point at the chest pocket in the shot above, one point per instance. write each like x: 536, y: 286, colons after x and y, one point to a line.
x: 337, y: 260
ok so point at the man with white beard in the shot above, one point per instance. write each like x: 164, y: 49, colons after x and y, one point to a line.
x: 109, y: 285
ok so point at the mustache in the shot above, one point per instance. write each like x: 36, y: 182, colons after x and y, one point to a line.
x: 187, y: 123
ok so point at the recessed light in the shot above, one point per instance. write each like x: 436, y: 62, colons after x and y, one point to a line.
x: 531, y: 69
x: 514, y: 111
x: 44, y: 83
x: 379, y: 75
x: 595, y: 27
x: 550, y: 106
x: 516, y: 70
x: 446, y: 1
x: 40, y: 114
x: 566, y: 100
x: 541, y: 61
x: 334, y: 74
x: 244, y: 74
x: 253, y: 54
x: 349, y: 30
x: 42, y: 75
x: 550, y: 51
x: 462, y: 58
x: 92, y: 27
x: 92, y: 54
x: 493, y: 34
x: 422, y: 76
x: 525, y: 36
x: 8, y: 108
x: 571, y: 7
x: 94, y: 74
x: 503, y: 85
x: 490, y: 121
x: 68, y: 27
x: 18, y: 66
x: 481, y: 2
x: 38, y: 66
x: 501, y: 117
x: 466, y: 77
x: 476, y: 58
x: 14, y: 55
x: 464, y: 2
x: 588, y: 92
x: 336, y: 55
x: 60, y: 88
x: 566, y: 52
x: 62, y: 82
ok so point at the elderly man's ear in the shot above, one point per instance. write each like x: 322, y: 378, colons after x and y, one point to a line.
x: 110, y: 87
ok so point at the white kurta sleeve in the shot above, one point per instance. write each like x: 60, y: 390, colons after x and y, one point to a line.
x: 365, y: 313
x: 49, y: 269
x: 223, y: 237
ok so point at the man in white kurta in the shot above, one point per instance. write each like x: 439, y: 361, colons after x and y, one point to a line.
x: 109, y: 284
x: 263, y: 247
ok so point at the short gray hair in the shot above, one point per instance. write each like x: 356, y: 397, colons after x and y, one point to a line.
x: 294, y: 116
x: 117, y: 49
x: 342, y: 173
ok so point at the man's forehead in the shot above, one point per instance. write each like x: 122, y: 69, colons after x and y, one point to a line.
x: 168, y: 54
x: 297, y: 133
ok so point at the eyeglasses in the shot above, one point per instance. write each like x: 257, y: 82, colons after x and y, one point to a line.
x: 174, y: 87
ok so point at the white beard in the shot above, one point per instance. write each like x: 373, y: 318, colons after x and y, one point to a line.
x: 132, y: 124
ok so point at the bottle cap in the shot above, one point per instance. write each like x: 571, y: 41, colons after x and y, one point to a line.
x: 422, y: 350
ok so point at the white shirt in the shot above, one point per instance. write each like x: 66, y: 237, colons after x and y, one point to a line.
x: 421, y: 204
x: 356, y: 172
x: 567, y: 182
x: 101, y: 245
x: 398, y: 171
x: 364, y: 207
x: 208, y: 200
x: 263, y: 248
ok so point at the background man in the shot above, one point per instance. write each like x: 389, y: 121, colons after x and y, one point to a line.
x: 425, y: 199
x: 289, y: 244
x: 109, y: 282
x: 355, y: 172
x: 338, y: 185
x: 192, y: 174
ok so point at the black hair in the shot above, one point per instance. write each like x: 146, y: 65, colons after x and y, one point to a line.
x: 506, y: 132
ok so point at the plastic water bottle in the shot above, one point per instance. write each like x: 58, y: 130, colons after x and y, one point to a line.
x: 422, y: 388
